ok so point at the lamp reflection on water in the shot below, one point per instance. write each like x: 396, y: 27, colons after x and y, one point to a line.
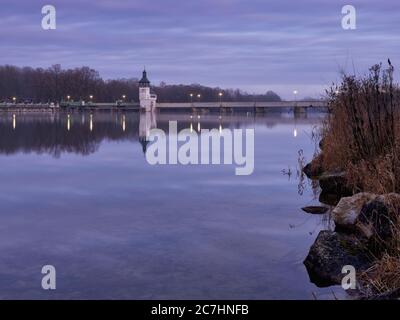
x: 91, y: 122
x: 123, y: 123
x: 68, y: 122
x: 14, y: 122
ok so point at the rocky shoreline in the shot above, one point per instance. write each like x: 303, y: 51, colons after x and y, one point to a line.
x: 363, y: 228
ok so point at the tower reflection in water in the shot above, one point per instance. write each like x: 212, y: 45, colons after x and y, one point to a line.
x: 147, y: 121
x: 82, y: 132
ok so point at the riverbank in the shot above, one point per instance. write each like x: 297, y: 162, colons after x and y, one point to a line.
x: 358, y: 170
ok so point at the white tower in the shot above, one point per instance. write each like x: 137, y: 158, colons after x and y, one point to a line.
x: 148, y: 101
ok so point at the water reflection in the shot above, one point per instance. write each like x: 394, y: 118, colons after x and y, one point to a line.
x: 147, y: 121
x: 58, y: 132
x: 91, y: 122
x: 121, y: 228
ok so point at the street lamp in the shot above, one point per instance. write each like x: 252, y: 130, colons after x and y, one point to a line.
x: 91, y: 98
x: 295, y: 92
x: 199, y: 96
x: 191, y: 97
x: 14, y: 99
x: 123, y: 96
x: 68, y: 97
x: 220, y: 96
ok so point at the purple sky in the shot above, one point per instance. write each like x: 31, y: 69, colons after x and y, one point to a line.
x: 255, y: 45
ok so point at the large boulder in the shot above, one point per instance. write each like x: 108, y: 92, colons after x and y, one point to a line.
x: 314, y: 169
x: 332, y: 251
x: 330, y: 199
x: 334, y: 183
x: 348, y: 209
x: 378, y: 222
x: 321, y: 144
x: 375, y: 220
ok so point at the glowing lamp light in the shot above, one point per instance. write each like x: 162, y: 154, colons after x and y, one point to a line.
x: 91, y: 122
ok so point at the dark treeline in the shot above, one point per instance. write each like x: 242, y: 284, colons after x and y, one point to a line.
x: 55, y: 84
x: 49, y: 133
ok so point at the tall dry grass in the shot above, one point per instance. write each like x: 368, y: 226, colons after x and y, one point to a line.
x: 361, y: 134
x: 383, y: 278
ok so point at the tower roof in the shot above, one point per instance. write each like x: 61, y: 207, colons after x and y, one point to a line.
x: 144, y: 142
x: 144, y: 80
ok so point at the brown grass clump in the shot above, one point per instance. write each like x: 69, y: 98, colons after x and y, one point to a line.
x: 361, y: 134
x: 383, y: 278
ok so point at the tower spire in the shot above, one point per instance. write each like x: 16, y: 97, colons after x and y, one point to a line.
x: 144, y: 82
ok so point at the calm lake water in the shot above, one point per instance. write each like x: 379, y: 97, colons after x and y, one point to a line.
x: 76, y: 192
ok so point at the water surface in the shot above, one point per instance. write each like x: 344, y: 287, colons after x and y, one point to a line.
x: 76, y: 192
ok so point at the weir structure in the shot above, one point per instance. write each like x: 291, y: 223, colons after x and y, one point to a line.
x: 148, y: 103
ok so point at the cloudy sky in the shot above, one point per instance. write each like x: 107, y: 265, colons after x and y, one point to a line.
x: 255, y: 45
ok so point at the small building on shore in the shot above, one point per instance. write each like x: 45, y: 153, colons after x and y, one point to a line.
x: 148, y: 101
